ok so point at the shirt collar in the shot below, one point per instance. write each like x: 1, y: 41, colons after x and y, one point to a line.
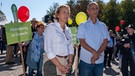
x: 89, y: 20
x: 58, y: 25
x: 36, y: 33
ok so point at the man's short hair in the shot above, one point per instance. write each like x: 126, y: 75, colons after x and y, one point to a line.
x: 88, y: 6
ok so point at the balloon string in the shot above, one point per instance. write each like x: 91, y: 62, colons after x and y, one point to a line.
x: 117, y: 34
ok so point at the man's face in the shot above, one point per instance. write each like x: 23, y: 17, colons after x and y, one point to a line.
x: 33, y: 23
x: 93, y: 10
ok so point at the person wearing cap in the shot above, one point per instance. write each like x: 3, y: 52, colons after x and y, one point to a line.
x: 25, y: 45
x: 109, y: 49
x: 33, y: 24
x: 128, y: 51
x: 35, y: 51
x: 93, y: 37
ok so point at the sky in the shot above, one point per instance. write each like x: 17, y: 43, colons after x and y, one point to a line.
x: 37, y: 8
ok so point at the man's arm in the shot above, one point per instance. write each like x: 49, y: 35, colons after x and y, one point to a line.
x: 102, y: 47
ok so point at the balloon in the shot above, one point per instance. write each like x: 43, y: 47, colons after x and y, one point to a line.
x: 117, y: 28
x: 80, y: 18
x: 122, y: 22
x: 70, y: 21
x: 14, y: 11
x: 23, y: 13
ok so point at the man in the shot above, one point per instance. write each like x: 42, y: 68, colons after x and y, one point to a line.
x: 93, y: 37
x: 128, y: 52
x: 109, y: 49
x: 33, y: 24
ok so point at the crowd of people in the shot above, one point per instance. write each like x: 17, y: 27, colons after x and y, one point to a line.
x: 51, y: 51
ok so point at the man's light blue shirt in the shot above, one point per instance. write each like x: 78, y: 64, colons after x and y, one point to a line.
x: 94, y: 34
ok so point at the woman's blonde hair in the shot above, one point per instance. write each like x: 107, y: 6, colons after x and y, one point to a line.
x: 59, y: 9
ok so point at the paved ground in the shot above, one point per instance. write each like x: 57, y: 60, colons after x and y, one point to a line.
x: 16, y: 69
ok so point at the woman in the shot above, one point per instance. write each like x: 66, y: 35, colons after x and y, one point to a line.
x: 58, y: 44
x: 35, y: 51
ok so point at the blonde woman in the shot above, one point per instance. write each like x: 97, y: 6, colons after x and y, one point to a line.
x: 58, y: 44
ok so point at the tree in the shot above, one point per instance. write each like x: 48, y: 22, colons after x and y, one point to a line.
x: 52, y: 9
x: 128, y: 11
x: 71, y: 4
x: 111, y: 15
x: 50, y: 13
x: 101, y: 5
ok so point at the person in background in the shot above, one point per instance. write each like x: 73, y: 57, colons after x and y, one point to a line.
x: 1, y: 39
x: 93, y: 37
x: 58, y: 44
x: 109, y: 49
x: 26, y: 44
x: 35, y: 51
x: 118, y: 38
x: 15, y: 48
x: 33, y: 24
x: 128, y: 51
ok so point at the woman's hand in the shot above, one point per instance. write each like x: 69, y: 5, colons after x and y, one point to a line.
x: 69, y: 65
x: 62, y: 68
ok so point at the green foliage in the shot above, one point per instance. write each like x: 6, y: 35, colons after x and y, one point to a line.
x: 80, y: 6
x: 50, y: 12
x: 128, y: 11
x: 52, y: 9
x: 110, y: 13
x: 101, y: 5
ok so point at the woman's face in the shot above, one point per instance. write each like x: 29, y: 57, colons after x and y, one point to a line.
x: 40, y: 29
x: 130, y: 30
x: 63, y: 15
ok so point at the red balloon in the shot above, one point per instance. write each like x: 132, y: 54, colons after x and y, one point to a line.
x: 23, y: 13
x: 117, y: 28
x: 122, y: 22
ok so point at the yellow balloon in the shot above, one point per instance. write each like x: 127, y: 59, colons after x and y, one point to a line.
x: 70, y: 21
x: 80, y: 18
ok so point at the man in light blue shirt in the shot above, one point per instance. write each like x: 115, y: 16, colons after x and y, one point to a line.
x: 93, y: 37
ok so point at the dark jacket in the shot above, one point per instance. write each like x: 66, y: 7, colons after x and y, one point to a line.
x: 127, y: 39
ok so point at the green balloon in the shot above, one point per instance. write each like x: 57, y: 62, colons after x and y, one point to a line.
x: 14, y: 12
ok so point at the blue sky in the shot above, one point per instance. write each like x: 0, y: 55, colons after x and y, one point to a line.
x: 37, y: 8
